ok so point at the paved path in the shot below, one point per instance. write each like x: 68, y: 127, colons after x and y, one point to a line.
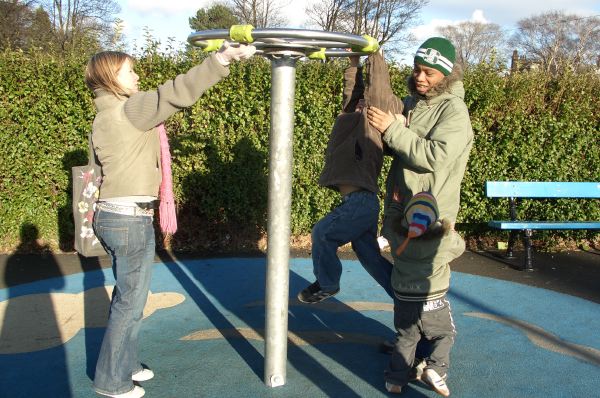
x: 204, y: 322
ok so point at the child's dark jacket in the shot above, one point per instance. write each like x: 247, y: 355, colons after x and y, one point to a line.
x: 354, y: 154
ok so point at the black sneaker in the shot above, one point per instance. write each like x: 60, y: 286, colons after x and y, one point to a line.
x: 313, y: 294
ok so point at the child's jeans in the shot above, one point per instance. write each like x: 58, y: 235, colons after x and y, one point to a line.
x: 354, y: 220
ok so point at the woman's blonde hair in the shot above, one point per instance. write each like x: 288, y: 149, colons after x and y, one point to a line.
x: 102, y: 69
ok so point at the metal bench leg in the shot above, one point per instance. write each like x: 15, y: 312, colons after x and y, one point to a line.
x: 512, y: 208
x: 511, y: 243
x: 528, y: 251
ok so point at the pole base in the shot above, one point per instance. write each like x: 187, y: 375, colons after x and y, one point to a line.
x: 276, y: 381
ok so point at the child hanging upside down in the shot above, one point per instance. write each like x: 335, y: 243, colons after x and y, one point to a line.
x: 353, y: 162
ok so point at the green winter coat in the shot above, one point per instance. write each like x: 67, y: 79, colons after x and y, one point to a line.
x: 429, y: 154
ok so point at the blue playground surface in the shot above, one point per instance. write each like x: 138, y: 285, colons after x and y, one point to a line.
x: 203, y: 336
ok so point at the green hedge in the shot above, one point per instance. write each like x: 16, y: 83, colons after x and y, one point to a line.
x: 528, y: 126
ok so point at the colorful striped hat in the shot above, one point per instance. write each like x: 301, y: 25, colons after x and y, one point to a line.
x: 421, y: 211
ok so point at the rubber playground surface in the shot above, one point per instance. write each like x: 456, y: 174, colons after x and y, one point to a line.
x: 204, y: 326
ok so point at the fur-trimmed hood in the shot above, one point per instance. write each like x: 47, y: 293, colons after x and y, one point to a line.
x: 450, y: 84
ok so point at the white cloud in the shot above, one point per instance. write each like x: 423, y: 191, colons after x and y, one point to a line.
x: 478, y: 17
x: 423, y: 32
x: 295, y: 13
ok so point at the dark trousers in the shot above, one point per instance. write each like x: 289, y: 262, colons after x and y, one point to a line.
x: 430, y: 320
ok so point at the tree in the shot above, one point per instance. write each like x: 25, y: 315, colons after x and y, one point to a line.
x: 258, y: 13
x: 475, y: 42
x: 555, y: 39
x: 22, y: 26
x: 385, y: 20
x: 15, y: 19
x: 115, y: 40
x: 40, y: 31
x: 218, y: 16
x: 330, y: 15
x: 82, y: 23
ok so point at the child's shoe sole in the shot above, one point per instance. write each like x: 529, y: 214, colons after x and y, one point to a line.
x: 393, y: 388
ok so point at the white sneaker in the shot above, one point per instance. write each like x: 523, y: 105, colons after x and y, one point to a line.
x: 142, y: 375
x: 435, y: 381
x: 393, y: 388
x: 137, y: 392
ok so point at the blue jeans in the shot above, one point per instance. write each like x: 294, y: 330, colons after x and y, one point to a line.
x: 129, y: 240
x: 354, y: 220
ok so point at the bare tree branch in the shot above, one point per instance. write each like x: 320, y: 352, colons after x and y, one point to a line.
x: 385, y: 20
x: 554, y: 39
x: 258, y: 13
x: 474, y: 41
x: 329, y: 15
x: 75, y: 21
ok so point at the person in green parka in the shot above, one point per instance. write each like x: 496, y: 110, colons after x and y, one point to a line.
x: 430, y: 144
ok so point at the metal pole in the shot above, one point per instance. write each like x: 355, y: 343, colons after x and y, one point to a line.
x: 283, y: 78
x: 280, y: 46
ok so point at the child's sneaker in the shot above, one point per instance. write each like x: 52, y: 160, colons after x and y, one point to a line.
x: 314, y: 294
x: 393, y: 388
x: 435, y: 381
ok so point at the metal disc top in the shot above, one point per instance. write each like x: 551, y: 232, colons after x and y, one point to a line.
x: 311, y: 43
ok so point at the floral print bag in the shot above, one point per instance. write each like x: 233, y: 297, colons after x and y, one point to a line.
x: 86, y: 184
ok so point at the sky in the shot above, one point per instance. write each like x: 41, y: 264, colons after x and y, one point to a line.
x: 166, y: 19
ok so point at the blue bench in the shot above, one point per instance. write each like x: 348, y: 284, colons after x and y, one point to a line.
x: 516, y: 190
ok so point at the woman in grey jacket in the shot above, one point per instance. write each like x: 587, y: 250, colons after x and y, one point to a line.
x: 430, y: 143
x: 126, y: 140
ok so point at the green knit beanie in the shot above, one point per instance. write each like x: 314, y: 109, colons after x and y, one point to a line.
x: 437, y: 53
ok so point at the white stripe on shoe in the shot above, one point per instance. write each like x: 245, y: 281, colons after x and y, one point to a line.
x: 435, y: 381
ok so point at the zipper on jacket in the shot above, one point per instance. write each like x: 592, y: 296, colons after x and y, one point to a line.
x: 408, y: 117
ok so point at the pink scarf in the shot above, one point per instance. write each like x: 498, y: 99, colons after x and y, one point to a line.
x: 168, y: 218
